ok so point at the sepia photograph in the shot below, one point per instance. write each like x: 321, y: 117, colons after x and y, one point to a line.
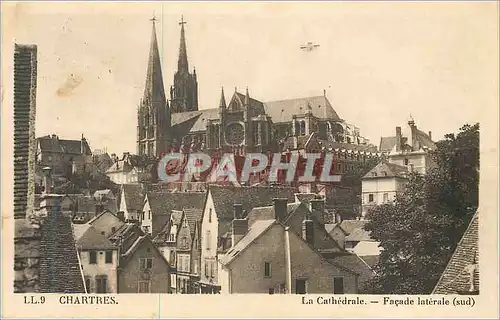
x: 327, y: 150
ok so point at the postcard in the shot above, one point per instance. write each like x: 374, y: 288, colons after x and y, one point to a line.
x: 250, y: 159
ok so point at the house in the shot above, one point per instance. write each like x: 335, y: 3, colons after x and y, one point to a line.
x: 63, y: 156
x: 354, y: 237
x: 217, y: 217
x: 99, y: 259
x: 142, y: 268
x: 294, y: 216
x: 461, y: 275
x: 411, y: 150
x: 166, y: 242
x: 87, y: 207
x: 159, y: 205
x: 106, y: 223
x: 270, y: 258
x: 131, y: 201
x: 131, y: 169
x: 188, y: 251
x: 381, y: 184
x: 123, y: 172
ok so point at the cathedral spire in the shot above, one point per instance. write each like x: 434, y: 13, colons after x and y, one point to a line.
x: 182, y: 63
x: 247, y: 98
x: 154, y: 90
x: 222, y: 103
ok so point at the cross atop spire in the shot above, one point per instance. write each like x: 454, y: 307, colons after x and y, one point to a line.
x: 182, y: 63
x: 153, y: 18
x: 182, y: 22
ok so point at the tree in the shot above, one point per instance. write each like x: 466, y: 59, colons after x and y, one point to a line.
x: 421, y: 229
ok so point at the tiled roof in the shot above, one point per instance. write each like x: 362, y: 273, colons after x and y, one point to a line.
x: 386, y: 169
x: 256, y: 230
x: 60, y: 270
x: 165, y: 202
x: 350, y: 225
x: 224, y: 197
x: 134, y: 197
x: 193, y: 217
x: 387, y: 143
x: 92, y: 239
x: 126, y: 236
x: 461, y: 275
x: 162, y: 204
x: 359, y: 234
x: 283, y: 110
x: 267, y: 213
x: 424, y: 140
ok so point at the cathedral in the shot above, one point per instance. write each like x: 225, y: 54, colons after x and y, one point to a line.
x: 241, y: 124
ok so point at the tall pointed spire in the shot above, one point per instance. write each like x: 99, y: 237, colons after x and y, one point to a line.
x: 222, y: 103
x: 154, y: 90
x: 247, y: 98
x: 182, y: 63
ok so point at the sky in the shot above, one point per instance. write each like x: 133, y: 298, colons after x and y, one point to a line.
x: 379, y: 62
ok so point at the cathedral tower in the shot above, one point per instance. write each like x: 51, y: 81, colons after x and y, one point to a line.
x: 153, y: 114
x: 184, y: 92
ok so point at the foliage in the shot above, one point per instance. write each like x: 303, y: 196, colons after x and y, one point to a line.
x: 420, y: 230
x: 86, y: 181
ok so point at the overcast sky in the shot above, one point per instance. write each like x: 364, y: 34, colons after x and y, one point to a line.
x: 379, y: 62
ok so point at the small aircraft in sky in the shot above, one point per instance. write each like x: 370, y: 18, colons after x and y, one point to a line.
x: 309, y: 46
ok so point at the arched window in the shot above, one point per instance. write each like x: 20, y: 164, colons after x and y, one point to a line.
x: 302, y: 128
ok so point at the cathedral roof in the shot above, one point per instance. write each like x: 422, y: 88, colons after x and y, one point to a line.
x: 283, y: 110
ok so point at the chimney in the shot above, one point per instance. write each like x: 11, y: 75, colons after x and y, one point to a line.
x: 121, y: 215
x: 239, y: 230
x: 338, y: 218
x: 280, y: 208
x: 308, y: 230
x: 98, y: 208
x: 47, y: 180
x: 398, y: 139
x: 414, y: 142
x: 49, y: 203
x: 238, y: 211
x: 82, y: 145
x: 430, y: 135
x: 319, y: 206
